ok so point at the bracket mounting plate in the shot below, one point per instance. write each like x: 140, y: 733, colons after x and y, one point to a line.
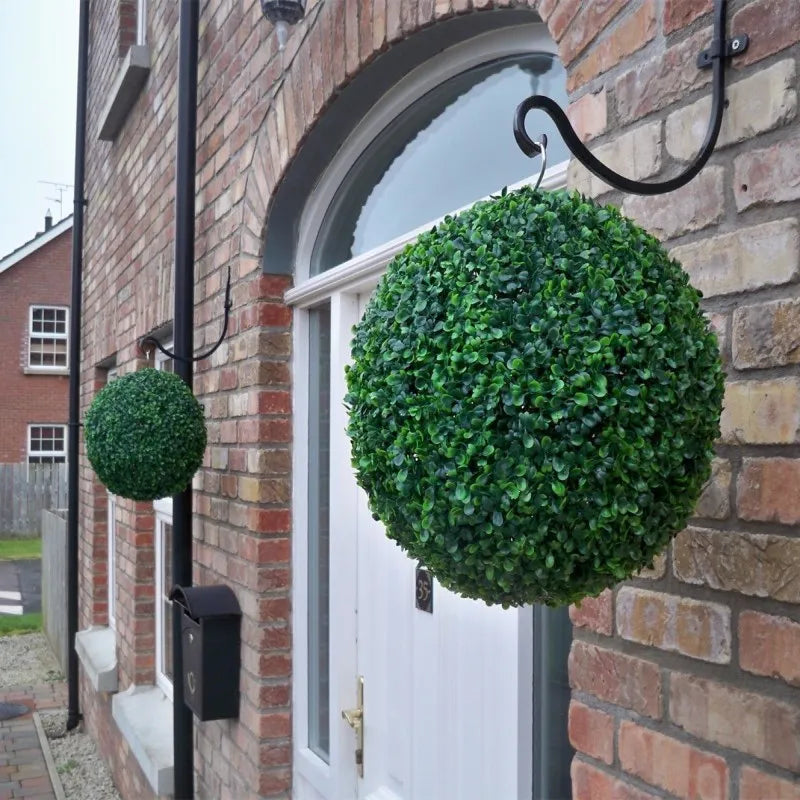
x: 734, y: 46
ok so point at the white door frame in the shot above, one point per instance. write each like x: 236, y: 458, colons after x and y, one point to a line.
x: 341, y: 287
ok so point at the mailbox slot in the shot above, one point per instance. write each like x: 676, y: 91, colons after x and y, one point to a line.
x: 210, y: 623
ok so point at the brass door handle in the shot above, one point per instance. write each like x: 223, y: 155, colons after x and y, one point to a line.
x: 354, y: 717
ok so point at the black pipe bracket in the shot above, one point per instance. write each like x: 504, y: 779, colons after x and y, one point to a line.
x: 151, y: 340
x: 715, y: 58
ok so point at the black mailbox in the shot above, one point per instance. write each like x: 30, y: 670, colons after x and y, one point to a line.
x: 210, y: 621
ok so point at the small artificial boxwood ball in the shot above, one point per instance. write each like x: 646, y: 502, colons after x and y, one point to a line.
x: 145, y: 435
x: 533, y: 399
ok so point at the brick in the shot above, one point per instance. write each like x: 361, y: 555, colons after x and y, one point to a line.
x: 691, y: 627
x: 767, y: 490
x: 656, y: 571
x: 680, y: 13
x: 546, y: 8
x: 561, y: 17
x: 616, y: 678
x: 674, y: 766
x: 766, y: 334
x: 757, y: 785
x: 594, y: 613
x: 591, y: 731
x: 590, y: 783
x: 772, y: 25
x: 745, y: 721
x: 744, y: 260
x: 663, y: 80
x: 759, y: 103
x: 585, y: 26
x: 691, y: 208
x: 636, y: 154
x: 719, y: 325
x: 761, y: 412
x: 759, y: 565
x: 714, y: 502
x: 769, y: 175
x: 629, y: 35
x: 588, y: 114
x: 770, y: 646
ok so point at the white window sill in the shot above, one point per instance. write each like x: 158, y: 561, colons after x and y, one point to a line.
x: 45, y: 371
x: 144, y: 717
x: 131, y: 78
x: 97, y: 651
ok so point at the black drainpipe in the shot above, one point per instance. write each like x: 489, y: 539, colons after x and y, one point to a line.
x: 183, y: 331
x: 73, y: 707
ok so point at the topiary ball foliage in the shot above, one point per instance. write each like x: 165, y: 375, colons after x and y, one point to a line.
x: 533, y: 399
x: 145, y: 435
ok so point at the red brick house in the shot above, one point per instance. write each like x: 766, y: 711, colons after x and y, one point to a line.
x: 34, y: 331
x: 315, y: 164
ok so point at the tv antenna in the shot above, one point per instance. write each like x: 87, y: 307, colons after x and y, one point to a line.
x: 60, y: 188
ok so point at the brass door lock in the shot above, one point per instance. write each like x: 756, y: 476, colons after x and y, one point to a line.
x: 354, y: 717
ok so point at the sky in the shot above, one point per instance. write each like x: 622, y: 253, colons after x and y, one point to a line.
x: 38, y: 80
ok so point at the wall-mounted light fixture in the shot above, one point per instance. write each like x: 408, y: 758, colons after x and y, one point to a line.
x: 282, y: 14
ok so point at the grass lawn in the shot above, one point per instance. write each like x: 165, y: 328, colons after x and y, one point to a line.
x: 20, y: 548
x: 23, y: 623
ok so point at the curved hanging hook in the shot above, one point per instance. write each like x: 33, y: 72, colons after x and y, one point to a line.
x: 228, y: 305
x: 715, y: 57
x: 542, y: 151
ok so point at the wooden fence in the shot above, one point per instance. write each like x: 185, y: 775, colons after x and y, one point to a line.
x: 26, y: 491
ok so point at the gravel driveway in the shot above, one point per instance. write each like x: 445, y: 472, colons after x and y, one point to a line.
x: 26, y: 660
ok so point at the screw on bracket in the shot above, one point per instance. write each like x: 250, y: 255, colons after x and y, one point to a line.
x: 734, y: 46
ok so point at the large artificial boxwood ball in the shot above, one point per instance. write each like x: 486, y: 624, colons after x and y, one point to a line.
x: 533, y: 399
x: 145, y: 435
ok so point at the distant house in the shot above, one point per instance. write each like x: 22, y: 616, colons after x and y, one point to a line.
x: 34, y: 332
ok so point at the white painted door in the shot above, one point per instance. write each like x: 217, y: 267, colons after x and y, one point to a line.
x: 447, y: 694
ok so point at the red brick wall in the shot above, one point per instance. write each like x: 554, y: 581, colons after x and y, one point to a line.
x: 42, y: 278
x: 677, y: 661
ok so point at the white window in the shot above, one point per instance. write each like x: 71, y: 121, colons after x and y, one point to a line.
x: 141, y: 21
x: 112, y: 561
x: 47, y: 444
x: 111, y: 525
x: 47, y: 347
x: 163, y: 509
x: 163, y: 604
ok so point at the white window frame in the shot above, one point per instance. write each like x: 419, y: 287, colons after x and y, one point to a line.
x: 360, y: 274
x: 111, y: 529
x: 111, y: 561
x: 46, y: 453
x: 60, y: 336
x: 141, y: 22
x: 163, y: 516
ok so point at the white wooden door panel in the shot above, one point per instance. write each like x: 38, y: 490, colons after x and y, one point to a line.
x: 442, y: 690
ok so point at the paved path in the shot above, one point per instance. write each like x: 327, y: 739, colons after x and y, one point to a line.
x: 21, y: 586
x: 23, y: 772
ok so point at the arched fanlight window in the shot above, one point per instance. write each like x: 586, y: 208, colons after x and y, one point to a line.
x: 449, y: 145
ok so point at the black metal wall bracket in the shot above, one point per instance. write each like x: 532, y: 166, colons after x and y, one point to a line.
x: 712, y: 57
x: 151, y: 340
x: 733, y: 47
